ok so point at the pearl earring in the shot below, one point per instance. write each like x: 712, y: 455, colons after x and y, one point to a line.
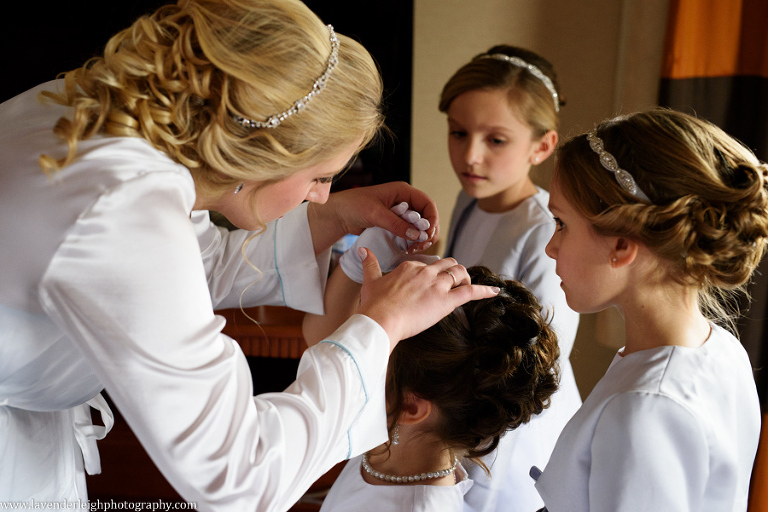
x: 239, y: 187
x: 396, y: 435
x: 614, y: 260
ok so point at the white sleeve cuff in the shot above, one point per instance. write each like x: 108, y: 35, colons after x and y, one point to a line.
x: 367, y: 344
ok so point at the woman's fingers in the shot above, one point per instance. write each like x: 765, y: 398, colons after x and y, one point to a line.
x: 415, y: 296
x: 418, y: 233
x: 459, y: 275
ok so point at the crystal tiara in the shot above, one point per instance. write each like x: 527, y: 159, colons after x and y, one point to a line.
x: 607, y: 160
x: 517, y: 61
x: 275, y: 120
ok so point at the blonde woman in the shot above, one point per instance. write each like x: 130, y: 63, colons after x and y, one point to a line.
x: 112, y: 268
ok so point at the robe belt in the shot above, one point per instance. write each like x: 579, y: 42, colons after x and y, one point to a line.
x: 86, y: 433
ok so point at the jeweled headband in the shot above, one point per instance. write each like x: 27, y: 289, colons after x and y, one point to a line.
x: 607, y: 160
x: 274, y: 121
x: 517, y: 61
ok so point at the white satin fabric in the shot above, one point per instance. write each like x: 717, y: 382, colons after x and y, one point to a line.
x: 103, y: 285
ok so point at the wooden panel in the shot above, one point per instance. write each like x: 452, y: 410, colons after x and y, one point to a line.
x: 277, y: 333
x: 758, y: 497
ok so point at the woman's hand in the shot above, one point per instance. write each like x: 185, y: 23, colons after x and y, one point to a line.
x: 390, y: 250
x: 351, y: 211
x: 415, y: 295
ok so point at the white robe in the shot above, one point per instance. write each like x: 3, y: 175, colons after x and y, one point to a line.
x: 103, y: 286
x: 512, y: 244
x: 668, y: 428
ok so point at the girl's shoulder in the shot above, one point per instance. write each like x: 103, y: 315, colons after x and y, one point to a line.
x: 701, y: 380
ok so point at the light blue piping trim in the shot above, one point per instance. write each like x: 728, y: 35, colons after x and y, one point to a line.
x: 277, y: 267
x: 365, y: 391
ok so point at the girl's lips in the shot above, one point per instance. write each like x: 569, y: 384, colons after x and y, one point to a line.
x: 474, y: 178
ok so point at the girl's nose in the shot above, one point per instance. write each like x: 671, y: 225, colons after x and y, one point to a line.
x: 551, y: 248
x: 474, y: 153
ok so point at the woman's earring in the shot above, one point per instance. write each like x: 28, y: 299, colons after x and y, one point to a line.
x: 239, y: 187
x: 535, y: 160
x: 396, y: 435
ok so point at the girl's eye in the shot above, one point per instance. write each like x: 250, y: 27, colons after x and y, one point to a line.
x: 325, y: 180
x: 457, y: 133
x: 497, y: 142
x: 559, y: 224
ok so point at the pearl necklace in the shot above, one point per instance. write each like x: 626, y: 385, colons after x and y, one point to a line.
x: 408, y: 479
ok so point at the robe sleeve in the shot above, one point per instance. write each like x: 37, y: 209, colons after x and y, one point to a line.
x: 275, y: 267
x: 129, y: 287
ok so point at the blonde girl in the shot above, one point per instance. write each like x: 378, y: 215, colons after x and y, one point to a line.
x: 662, y: 216
x: 503, y: 115
x: 112, y: 268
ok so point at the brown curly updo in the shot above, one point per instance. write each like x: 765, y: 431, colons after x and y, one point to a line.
x: 708, y: 211
x: 488, y: 367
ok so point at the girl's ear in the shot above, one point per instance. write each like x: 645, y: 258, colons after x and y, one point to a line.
x: 623, y: 252
x: 414, y: 410
x: 544, y: 147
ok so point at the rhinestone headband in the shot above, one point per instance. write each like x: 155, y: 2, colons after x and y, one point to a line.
x: 607, y: 160
x: 517, y: 61
x: 275, y: 120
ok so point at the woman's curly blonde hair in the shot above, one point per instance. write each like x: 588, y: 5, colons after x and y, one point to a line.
x: 177, y: 76
x: 709, y: 213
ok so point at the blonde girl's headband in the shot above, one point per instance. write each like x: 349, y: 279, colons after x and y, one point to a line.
x: 517, y: 61
x: 275, y: 120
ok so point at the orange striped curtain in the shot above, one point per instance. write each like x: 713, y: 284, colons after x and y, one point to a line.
x: 716, y: 38
x: 716, y: 65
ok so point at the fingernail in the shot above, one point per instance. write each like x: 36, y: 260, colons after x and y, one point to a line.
x: 412, y: 234
x: 400, y: 209
x: 411, y: 216
x: 422, y: 224
x: 422, y: 236
x: 362, y: 253
x: 496, y: 289
x: 427, y: 245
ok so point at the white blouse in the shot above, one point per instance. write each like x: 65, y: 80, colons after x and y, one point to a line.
x: 351, y: 493
x: 103, y: 286
x: 668, y: 428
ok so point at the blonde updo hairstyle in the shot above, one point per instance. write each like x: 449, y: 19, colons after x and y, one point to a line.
x: 528, y: 97
x: 709, y: 214
x: 176, y: 77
